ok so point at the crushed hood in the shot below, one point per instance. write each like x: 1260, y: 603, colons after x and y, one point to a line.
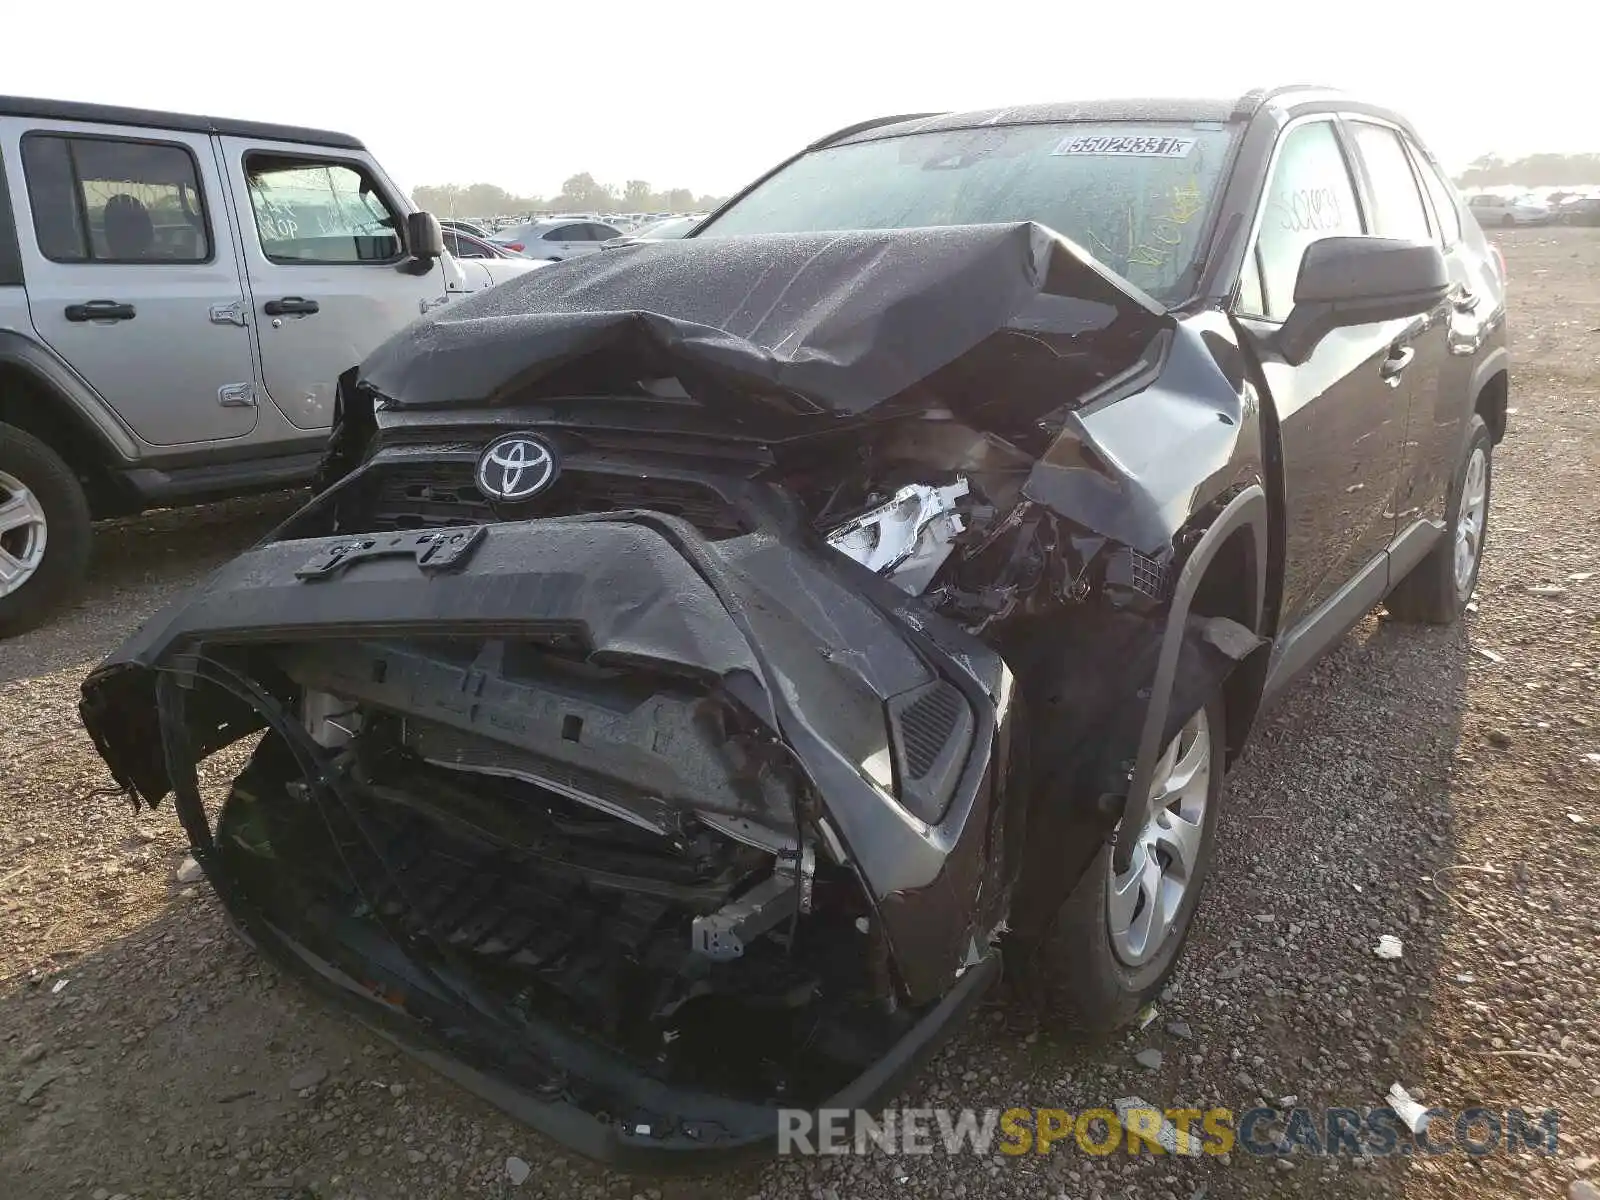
x: 834, y: 323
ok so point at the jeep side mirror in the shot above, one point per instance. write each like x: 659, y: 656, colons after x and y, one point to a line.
x: 424, y: 238
x: 1356, y: 281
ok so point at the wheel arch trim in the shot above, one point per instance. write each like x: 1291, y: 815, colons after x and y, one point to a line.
x: 1247, y: 510
x: 81, y: 404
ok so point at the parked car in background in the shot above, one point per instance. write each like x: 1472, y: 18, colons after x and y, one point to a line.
x: 465, y: 245
x: 659, y: 231
x: 178, y: 296
x: 695, y: 679
x: 1579, y: 210
x: 1491, y: 209
x: 475, y: 228
x: 556, y: 238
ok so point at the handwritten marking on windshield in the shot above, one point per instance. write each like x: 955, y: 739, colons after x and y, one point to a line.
x: 1165, y: 231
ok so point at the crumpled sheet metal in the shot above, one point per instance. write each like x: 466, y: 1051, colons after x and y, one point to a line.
x: 833, y: 322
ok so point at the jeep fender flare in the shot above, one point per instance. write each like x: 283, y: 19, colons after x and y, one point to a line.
x: 1247, y: 510
x: 73, y: 395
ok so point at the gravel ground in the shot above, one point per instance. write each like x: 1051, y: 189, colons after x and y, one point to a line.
x: 1442, y: 786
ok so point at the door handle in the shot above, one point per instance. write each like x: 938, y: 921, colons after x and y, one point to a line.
x: 291, y: 306
x: 100, y: 310
x: 1394, y: 366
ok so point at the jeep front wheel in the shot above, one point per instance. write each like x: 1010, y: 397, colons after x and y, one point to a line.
x: 44, y: 531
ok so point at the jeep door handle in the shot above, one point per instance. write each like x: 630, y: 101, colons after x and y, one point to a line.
x: 291, y: 306
x: 1394, y: 366
x: 100, y: 310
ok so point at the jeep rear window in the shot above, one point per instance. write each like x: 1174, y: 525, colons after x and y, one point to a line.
x: 1136, y: 195
x: 107, y: 200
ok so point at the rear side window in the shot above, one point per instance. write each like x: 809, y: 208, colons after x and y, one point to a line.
x: 1443, y: 196
x: 1309, y: 197
x: 311, y: 210
x: 566, y: 233
x: 1396, y: 202
x: 602, y: 233
x: 108, y: 200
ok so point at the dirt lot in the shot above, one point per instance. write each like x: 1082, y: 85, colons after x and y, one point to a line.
x: 1442, y: 786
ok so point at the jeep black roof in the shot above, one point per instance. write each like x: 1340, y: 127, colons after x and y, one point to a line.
x: 110, y: 114
x: 1142, y: 109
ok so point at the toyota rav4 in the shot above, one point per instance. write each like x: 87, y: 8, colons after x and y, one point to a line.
x: 706, y: 661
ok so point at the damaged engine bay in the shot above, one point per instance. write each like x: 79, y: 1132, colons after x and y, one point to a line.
x: 705, y: 778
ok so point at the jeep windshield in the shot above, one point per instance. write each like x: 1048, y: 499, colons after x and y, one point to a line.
x: 1136, y: 195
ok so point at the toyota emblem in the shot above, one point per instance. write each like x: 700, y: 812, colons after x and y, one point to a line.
x: 516, y: 467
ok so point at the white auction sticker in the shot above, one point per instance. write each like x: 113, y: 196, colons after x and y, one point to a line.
x: 1136, y: 145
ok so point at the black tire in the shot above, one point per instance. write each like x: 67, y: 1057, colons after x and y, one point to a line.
x: 67, y: 530
x: 1073, y: 973
x: 1507, y: 221
x: 1429, y: 593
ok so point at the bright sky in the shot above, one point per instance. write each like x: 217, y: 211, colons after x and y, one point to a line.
x: 707, y: 94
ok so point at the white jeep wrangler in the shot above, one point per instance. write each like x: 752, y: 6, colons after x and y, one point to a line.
x: 178, y: 295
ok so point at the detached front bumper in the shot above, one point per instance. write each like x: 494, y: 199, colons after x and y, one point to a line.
x: 897, y: 720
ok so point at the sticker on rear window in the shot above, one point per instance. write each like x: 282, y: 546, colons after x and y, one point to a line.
x: 1139, y: 146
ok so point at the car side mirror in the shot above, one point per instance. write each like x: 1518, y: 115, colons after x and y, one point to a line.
x: 424, y: 237
x: 1347, y: 281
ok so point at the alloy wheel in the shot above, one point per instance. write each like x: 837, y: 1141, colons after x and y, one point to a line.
x: 1471, y: 510
x: 22, y: 534
x: 1143, y: 902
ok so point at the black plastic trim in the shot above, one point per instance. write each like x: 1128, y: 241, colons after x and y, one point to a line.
x: 111, y: 114
x: 81, y: 402
x: 1247, y: 510
x: 1326, y: 624
x: 154, y: 486
x: 10, y: 248
x: 612, y: 1143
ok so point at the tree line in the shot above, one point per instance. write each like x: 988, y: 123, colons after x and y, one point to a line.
x: 580, y: 193
x: 1533, y: 170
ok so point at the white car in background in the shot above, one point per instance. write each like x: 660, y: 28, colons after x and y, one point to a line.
x: 1494, y: 210
x: 555, y: 238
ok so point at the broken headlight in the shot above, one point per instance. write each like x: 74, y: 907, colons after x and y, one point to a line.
x: 906, y: 538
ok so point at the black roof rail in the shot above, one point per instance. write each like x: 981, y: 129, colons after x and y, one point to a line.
x: 863, y: 126
x: 1248, y: 104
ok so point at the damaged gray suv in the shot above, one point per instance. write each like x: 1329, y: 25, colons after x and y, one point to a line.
x: 705, y: 661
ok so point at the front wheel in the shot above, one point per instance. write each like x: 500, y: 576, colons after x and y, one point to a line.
x: 1436, y: 590
x: 1118, y: 935
x: 44, y: 531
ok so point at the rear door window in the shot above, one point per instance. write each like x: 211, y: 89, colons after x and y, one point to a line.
x: 109, y: 200
x: 310, y: 210
x: 1397, y: 204
x: 1442, y: 195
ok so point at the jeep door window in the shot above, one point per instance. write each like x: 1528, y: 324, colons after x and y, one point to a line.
x: 1397, y: 210
x: 1138, y: 196
x: 108, y: 200
x: 1309, y: 197
x: 311, y: 210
